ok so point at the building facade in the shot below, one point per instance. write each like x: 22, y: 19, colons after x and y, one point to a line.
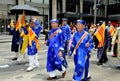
x: 43, y: 7
x: 114, y: 10
x: 6, y: 15
x: 89, y: 10
x: 78, y: 9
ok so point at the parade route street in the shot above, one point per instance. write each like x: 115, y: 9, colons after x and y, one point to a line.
x: 9, y: 71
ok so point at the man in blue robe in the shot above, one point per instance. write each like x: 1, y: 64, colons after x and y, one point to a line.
x: 66, y: 37
x: 82, y: 52
x: 55, y: 51
x: 32, y: 50
x: 66, y: 33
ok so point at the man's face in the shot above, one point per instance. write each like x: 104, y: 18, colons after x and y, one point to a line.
x: 64, y: 22
x: 54, y: 25
x: 80, y: 27
x: 109, y: 23
x: 32, y: 24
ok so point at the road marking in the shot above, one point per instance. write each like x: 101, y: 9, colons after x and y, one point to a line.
x: 42, y: 51
x: 4, y: 66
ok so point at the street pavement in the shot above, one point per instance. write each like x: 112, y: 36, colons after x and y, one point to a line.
x: 5, y: 38
x: 9, y: 71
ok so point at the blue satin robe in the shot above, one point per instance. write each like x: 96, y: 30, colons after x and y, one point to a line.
x: 81, y: 54
x: 55, y: 44
x: 66, y: 35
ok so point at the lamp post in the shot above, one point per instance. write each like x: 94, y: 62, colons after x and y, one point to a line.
x: 95, y: 11
x: 43, y: 19
x: 106, y: 9
x: 81, y: 8
x: 43, y: 14
x: 97, y: 5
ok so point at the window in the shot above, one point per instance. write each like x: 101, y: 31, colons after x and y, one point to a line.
x: 37, y: 1
x: 28, y: 0
x: 46, y: 1
x: 86, y: 10
x: 71, y: 5
x: 59, y: 5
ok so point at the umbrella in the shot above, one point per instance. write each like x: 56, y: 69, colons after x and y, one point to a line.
x: 29, y: 10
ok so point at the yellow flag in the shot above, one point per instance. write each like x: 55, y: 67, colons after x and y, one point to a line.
x: 37, y: 43
x: 112, y: 31
x: 23, y: 19
x: 18, y: 24
x: 12, y: 23
x: 31, y: 35
x: 100, y: 34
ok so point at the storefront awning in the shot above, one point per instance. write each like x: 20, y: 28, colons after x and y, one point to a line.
x: 115, y: 17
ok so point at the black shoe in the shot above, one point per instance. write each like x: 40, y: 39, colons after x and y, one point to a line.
x: 109, y: 50
x: 82, y: 80
x: 85, y: 80
x: 118, y: 67
x: 88, y: 78
x: 105, y: 61
x: 15, y: 58
x: 99, y: 63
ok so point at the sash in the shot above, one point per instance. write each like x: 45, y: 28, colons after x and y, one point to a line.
x: 79, y: 42
x: 55, y: 33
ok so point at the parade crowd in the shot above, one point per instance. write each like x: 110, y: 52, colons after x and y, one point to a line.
x: 76, y: 39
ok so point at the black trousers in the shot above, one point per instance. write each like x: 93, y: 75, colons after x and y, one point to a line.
x: 104, y: 57
x: 110, y: 46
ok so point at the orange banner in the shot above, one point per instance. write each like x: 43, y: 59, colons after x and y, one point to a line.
x: 18, y: 24
x: 100, y: 34
x: 23, y: 19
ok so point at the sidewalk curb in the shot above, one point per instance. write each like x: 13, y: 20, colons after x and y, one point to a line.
x: 5, y: 41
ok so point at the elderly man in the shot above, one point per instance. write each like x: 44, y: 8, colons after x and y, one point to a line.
x: 66, y: 33
x: 81, y: 46
x: 55, y: 54
x: 32, y: 50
